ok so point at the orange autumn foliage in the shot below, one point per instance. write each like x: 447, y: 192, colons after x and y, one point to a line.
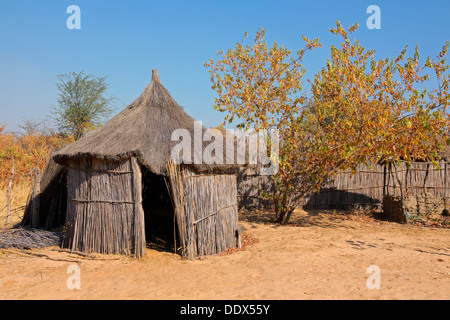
x: 357, y: 109
x: 29, y: 151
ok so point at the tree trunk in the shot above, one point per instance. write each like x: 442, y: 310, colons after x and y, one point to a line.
x: 288, y: 215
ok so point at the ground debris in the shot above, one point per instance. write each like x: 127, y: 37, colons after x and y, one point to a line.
x: 28, y: 238
x: 246, y: 240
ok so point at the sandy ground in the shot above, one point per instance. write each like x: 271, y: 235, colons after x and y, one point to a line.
x: 321, y: 256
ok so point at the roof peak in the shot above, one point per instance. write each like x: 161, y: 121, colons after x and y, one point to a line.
x: 155, y: 76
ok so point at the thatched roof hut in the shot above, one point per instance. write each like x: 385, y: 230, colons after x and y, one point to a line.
x: 141, y: 130
x: 120, y: 191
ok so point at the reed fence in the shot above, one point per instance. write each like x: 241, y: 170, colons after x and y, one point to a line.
x: 425, y: 187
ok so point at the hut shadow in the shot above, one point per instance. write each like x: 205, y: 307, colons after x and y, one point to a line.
x: 319, y: 210
x: 299, y: 218
x: 334, y: 199
x: 320, y: 218
x: 257, y: 215
x: 160, y: 245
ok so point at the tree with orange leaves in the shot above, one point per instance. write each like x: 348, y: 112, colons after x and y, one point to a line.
x: 358, y: 108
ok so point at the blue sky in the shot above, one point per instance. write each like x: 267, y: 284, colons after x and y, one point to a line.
x: 125, y: 40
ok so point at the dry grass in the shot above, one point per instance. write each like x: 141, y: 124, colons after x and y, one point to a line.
x: 20, y: 194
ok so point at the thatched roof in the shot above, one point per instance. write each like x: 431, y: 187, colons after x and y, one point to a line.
x: 144, y: 130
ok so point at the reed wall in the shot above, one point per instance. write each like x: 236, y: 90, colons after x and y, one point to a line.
x: 206, y: 210
x: 104, y: 212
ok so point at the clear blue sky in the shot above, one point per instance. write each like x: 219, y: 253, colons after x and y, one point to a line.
x: 125, y: 40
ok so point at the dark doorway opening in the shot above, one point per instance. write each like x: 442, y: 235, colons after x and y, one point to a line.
x: 160, y: 231
x: 52, y: 202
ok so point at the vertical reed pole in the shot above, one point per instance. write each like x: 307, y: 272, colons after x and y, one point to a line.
x: 139, y: 228
x: 402, y: 193
x: 445, y: 186
x: 384, y: 179
x: 8, y: 191
x: 406, y: 180
x: 425, y: 195
x: 425, y: 179
x: 35, y: 203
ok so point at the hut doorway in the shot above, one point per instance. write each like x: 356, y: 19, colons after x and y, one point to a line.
x: 158, y: 211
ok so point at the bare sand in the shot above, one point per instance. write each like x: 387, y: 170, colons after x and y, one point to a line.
x: 323, y: 255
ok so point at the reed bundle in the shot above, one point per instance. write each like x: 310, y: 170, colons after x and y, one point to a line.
x: 27, y: 238
x: 175, y: 187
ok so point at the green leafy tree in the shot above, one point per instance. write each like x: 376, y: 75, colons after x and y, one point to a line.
x: 83, y: 103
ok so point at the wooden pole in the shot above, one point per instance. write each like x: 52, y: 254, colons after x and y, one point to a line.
x: 8, y: 191
x: 425, y: 194
x: 402, y: 196
x: 384, y: 179
x: 445, y: 186
x: 139, y: 227
x: 51, y: 214
x: 35, y: 204
x: 389, y: 178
